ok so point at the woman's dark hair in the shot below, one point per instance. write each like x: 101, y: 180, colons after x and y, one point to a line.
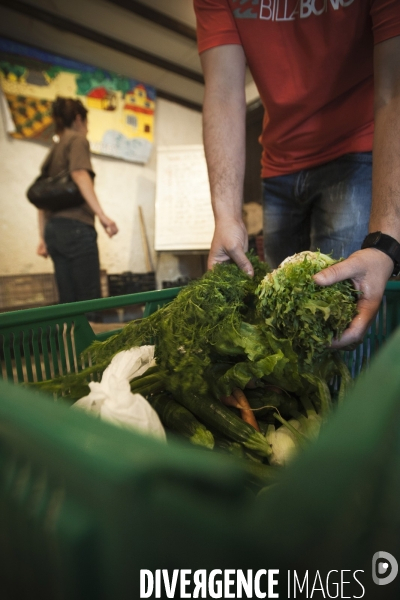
x: 65, y: 111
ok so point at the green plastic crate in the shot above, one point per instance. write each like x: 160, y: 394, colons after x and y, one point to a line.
x: 41, y: 343
x: 37, y: 344
x: 84, y: 505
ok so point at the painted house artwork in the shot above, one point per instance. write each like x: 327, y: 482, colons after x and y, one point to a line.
x: 101, y: 98
x: 120, y: 109
x: 139, y: 111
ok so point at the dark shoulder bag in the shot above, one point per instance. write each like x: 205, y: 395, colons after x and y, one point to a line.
x: 55, y: 193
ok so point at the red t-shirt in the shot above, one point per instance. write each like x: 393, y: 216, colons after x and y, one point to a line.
x: 312, y: 62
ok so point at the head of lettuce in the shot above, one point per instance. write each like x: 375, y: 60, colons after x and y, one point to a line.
x: 298, y: 309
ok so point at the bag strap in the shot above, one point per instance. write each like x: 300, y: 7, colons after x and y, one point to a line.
x: 47, y: 162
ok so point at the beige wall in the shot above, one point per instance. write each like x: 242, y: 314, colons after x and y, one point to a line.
x: 121, y: 186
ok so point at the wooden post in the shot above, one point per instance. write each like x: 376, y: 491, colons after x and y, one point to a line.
x: 147, y: 255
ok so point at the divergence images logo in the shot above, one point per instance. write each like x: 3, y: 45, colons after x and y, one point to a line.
x: 384, y: 568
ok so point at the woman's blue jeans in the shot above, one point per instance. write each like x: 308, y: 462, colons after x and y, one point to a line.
x: 324, y: 208
x: 72, y: 246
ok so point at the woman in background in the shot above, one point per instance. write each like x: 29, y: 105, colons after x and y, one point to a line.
x: 68, y: 235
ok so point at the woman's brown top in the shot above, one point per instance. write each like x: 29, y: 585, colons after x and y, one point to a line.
x: 70, y: 153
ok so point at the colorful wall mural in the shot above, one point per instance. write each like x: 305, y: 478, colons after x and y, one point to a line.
x: 121, y: 110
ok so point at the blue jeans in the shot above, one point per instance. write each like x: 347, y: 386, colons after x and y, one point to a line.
x: 324, y: 208
x: 73, y: 249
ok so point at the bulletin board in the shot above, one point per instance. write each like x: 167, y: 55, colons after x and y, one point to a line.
x: 183, y: 215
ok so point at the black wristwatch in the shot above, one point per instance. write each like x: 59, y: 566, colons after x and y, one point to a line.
x: 387, y: 244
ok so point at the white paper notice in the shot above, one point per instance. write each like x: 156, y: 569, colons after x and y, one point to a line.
x: 183, y: 216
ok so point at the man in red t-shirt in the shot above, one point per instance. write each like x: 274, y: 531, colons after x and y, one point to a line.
x: 327, y: 74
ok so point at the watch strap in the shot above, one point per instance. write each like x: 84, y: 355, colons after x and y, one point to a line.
x: 385, y: 243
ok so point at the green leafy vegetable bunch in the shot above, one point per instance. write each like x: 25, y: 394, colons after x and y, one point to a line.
x: 186, y: 332
x: 296, y: 308
x: 231, y: 349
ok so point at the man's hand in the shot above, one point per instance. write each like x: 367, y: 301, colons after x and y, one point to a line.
x: 230, y: 241
x: 369, y: 270
x: 41, y: 250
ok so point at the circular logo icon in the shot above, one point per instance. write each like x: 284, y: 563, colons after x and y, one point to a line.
x: 384, y: 568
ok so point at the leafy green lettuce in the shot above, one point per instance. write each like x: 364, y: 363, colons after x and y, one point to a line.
x: 294, y: 307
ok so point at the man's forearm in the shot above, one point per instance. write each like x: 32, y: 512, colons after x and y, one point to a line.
x: 385, y: 212
x: 224, y: 142
x: 224, y: 117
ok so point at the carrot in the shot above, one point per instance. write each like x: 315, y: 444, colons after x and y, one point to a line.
x: 230, y: 401
x: 238, y: 400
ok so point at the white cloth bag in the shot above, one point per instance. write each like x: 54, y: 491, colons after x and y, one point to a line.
x: 112, y: 399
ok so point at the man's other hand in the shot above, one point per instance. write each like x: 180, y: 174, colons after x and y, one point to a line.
x: 369, y: 270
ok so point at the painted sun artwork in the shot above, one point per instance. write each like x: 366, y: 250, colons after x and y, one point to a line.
x: 121, y: 110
